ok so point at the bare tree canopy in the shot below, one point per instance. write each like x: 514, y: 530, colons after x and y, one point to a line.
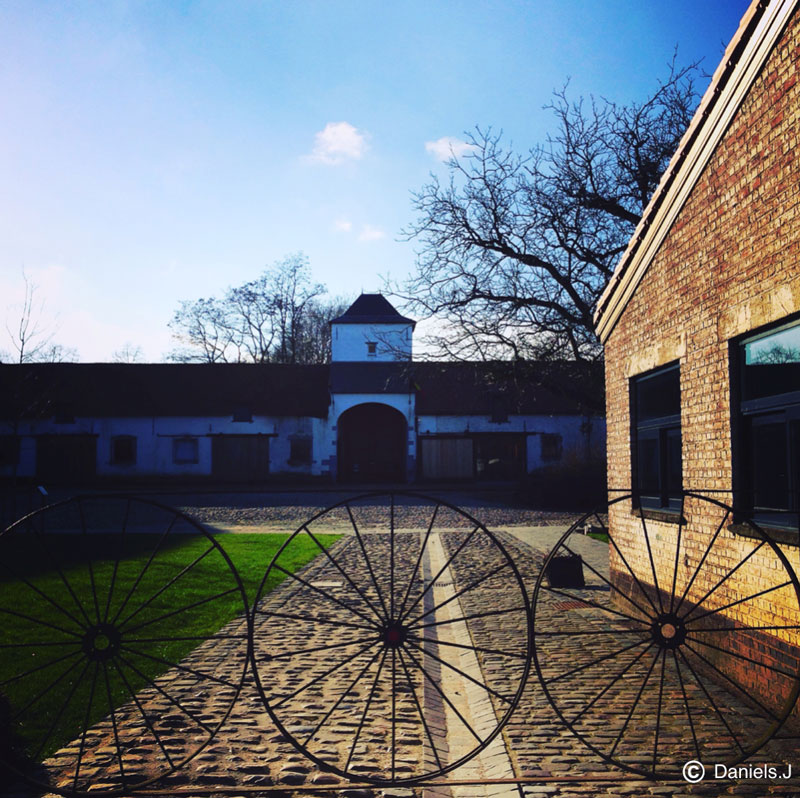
x: 516, y: 249
x: 280, y: 317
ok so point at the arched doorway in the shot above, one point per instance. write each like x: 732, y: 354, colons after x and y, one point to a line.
x: 372, y: 444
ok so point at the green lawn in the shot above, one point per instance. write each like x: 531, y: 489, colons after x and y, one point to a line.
x: 164, y: 607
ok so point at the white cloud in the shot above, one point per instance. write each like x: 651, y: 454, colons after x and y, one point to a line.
x: 448, y: 147
x: 370, y: 233
x: 342, y: 226
x: 337, y: 143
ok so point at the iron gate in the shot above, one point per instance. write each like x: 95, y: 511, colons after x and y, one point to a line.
x: 400, y: 652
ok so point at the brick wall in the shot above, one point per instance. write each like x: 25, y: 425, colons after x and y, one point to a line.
x: 730, y: 264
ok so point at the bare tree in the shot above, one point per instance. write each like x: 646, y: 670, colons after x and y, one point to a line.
x: 516, y: 249
x: 129, y: 353
x: 280, y: 317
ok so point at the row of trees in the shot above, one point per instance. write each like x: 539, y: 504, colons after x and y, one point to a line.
x: 514, y: 249
x: 280, y: 317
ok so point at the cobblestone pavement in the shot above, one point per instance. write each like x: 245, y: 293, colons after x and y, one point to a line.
x: 335, y: 685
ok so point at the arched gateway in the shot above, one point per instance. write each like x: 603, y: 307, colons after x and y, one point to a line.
x: 372, y: 444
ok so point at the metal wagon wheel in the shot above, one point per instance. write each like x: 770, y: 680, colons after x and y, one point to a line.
x: 683, y: 644
x: 364, y: 659
x: 102, y: 599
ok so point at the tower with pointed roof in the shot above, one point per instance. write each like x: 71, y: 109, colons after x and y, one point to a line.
x: 371, y: 330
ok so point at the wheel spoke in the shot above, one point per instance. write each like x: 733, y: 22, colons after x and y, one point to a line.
x: 419, y: 710
x: 460, y: 672
x: 487, y: 614
x: 89, y: 703
x: 721, y: 582
x: 326, y: 595
x: 317, y: 649
x: 367, y: 561
x: 114, y: 723
x: 512, y: 654
x: 169, y: 584
x: 610, y: 685
x: 712, y: 702
x: 631, y: 571
x: 734, y: 603
x: 199, y: 674
x: 341, y: 698
x: 87, y: 555
x: 415, y: 569
x: 446, y: 699
x: 153, y: 683
x: 394, y: 707
x: 441, y: 571
x: 60, y: 713
x: 742, y: 657
x: 590, y: 603
x: 677, y: 554
x: 338, y: 567
x: 366, y: 709
x: 147, y: 722
x: 173, y: 638
x: 182, y: 609
x: 580, y: 632
x: 686, y: 703
x: 608, y: 582
x: 325, y: 621
x: 461, y: 592
x: 57, y: 568
x: 317, y: 679
x: 120, y: 549
x: 40, y: 643
x: 47, y: 598
x: 40, y: 622
x: 747, y: 693
x: 39, y: 668
x: 141, y: 574
x: 594, y: 662
x: 634, y: 705
x: 652, y: 563
x: 660, y: 699
x: 702, y: 560
x: 46, y: 690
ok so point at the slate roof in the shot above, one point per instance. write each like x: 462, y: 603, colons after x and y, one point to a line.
x: 162, y: 389
x: 104, y: 390
x: 372, y: 309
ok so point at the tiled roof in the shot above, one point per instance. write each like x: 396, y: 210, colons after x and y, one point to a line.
x: 372, y: 309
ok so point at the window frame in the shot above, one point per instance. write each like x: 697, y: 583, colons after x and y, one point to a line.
x: 747, y: 415
x: 183, y: 439
x: 664, y: 497
x: 115, y: 460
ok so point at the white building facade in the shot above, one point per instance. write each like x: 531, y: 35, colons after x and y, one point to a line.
x: 372, y: 415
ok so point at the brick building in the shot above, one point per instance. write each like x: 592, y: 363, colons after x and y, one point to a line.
x: 701, y: 328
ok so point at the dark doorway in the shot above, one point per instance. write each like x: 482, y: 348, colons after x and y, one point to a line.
x: 66, y: 459
x: 372, y: 444
x: 240, y: 458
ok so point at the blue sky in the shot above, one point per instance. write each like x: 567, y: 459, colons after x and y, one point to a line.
x: 158, y: 151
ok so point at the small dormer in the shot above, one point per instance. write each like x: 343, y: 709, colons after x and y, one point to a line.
x: 371, y: 330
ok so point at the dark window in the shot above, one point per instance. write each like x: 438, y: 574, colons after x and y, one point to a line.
x: 185, y: 450
x: 551, y: 446
x: 372, y: 347
x: 656, y: 438
x: 123, y: 450
x: 499, y: 409
x: 9, y: 450
x: 299, y: 451
x: 63, y: 414
x: 242, y: 414
x: 768, y: 453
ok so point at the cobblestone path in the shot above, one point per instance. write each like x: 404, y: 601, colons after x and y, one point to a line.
x: 351, y: 669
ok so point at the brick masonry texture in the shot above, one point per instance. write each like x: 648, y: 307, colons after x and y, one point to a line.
x: 730, y: 264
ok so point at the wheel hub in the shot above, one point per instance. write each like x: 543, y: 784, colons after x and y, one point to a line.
x: 394, y: 634
x: 668, y: 630
x: 101, y: 642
